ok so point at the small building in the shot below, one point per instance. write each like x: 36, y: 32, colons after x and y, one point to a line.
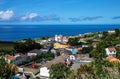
x: 58, y: 45
x: 64, y: 52
x: 60, y: 38
x: 44, y: 50
x: 73, y: 50
x: 65, y: 39
x: 94, y: 44
x: 53, y: 51
x: 44, y: 72
x: 84, y: 45
x: 112, y: 59
x: 111, y: 51
x: 19, y: 59
x: 43, y: 42
x: 9, y: 58
x: 111, y: 31
x: 33, y: 52
x: 72, y: 58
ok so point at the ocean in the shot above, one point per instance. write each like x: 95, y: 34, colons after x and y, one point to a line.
x: 18, y: 32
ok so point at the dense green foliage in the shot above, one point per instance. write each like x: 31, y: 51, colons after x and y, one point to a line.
x: 73, y: 41
x: 6, y: 70
x: 87, y: 49
x: 6, y: 47
x: 26, y: 46
x: 100, y: 68
x: 59, y: 71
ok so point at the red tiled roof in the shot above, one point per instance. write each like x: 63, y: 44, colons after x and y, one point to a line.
x: 9, y: 57
x: 113, y: 59
x: 111, y: 49
x: 56, y: 60
x: 35, y: 51
x: 79, y: 48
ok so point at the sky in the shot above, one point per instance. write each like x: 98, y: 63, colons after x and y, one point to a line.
x: 59, y: 11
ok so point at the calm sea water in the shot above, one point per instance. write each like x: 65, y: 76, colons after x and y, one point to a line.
x: 17, y: 32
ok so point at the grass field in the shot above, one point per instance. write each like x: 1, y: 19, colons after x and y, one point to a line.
x: 6, y: 45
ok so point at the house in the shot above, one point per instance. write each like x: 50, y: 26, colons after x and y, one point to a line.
x: 111, y: 51
x: 84, y: 45
x: 19, y: 59
x: 94, y: 44
x: 53, y: 51
x: 44, y: 50
x: 44, y: 72
x: 72, y: 58
x: 54, y: 61
x: 50, y: 39
x: 64, y: 51
x: 79, y: 48
x: 65, y: 39
x: 73, y: 50
x: 48, y: 45
x: 100, y: 35
x: 58, y: 45
x: 9, y: 58
x: 43, y: 42
x: 82, y: 39
x: 111, y: 31
x: 33, y: 52
x: 113, y: 59
x: 60, y: 38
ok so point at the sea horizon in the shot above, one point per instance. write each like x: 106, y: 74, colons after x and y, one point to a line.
x: 19, y: 32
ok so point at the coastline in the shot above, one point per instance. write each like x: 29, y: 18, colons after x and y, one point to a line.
x: 14, y: 32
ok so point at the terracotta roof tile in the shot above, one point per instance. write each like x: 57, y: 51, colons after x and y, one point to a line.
x: 111, y: 49
x: 9, y: 57
x: 56, y: 60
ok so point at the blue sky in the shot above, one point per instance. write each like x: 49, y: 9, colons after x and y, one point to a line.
x: 59, y: 11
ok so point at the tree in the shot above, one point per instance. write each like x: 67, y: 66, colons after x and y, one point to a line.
x: 117, y: 32
x: 73, y: 41
x: 6, y: 70
x: 26, y: 46
x: 85, y: 72
x: 58, y: 53
x: 87, y: 49
x: 59, y: 71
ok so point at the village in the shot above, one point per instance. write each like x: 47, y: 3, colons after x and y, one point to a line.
x: 36, y: 62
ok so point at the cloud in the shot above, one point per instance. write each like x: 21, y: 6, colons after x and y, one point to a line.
x: 50, y: 18
x: 116, y: 17
x: 84, y: 18
x: 6, y: 15
x: 34, y: 17
x: 29, y: 16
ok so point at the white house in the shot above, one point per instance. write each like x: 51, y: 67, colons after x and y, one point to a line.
x: 43, y: 42
x: 84, y: 45
x: 111, y: 31
x: 111, y: 51
x: 44, y: 71
x: 65, y: 39
x: 58, y: 38
x: 72, y: 57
